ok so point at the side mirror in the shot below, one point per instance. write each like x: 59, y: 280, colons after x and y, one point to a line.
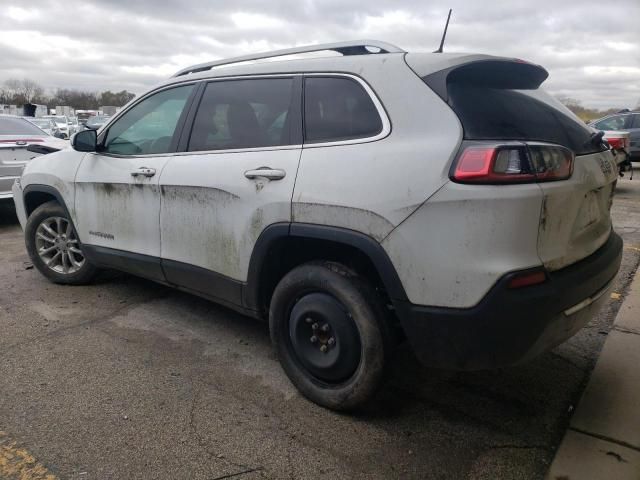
x: 85, y: 141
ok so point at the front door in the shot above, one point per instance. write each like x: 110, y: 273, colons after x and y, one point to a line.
x: 235, y: 178
x: 117, y: 193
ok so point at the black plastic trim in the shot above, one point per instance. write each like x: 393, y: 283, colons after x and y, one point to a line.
x: 259, y: 259
x: 509, y: 325
x: 203, y: 281
x: 145, y: 266
x: 37, y: 188
x: 367, y: 245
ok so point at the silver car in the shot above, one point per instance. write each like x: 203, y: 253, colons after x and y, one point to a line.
x: 46, y: 124
x: 16, y: 133
x: 62, y: 123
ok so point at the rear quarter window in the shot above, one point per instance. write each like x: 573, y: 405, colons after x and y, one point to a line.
x: 336, y: 109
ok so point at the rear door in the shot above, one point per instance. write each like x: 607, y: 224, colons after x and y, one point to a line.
x: 234, y: 178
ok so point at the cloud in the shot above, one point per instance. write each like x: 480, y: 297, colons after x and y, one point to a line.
x: 592, y: 51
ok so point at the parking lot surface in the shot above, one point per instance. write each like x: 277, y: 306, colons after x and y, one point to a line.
x: 129, y: 379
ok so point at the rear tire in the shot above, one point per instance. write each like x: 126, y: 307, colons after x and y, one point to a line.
x: 331, y: 335
x: 54, y: 247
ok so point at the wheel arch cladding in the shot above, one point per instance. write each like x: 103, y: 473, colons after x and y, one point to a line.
x: 283, y: 246
x: 36, y: 195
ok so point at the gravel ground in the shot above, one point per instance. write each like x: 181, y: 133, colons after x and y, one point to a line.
x: 129, y: 379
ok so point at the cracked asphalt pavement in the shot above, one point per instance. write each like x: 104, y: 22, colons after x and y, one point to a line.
x: 129, y: 379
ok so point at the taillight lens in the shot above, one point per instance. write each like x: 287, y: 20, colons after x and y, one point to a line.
x: 520, y: 163
x: 618, y: 143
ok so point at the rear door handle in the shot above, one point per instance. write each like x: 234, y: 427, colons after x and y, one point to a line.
x: 144, y: 172
x: 265, y: 172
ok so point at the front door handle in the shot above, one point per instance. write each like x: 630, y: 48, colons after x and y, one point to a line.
x: 144, y: 172
x: 265, y: 172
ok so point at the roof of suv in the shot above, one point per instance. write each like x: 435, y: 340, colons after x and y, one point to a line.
x: 355, y: 56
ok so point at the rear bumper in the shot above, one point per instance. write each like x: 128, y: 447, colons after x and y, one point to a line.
x: 512, y: 325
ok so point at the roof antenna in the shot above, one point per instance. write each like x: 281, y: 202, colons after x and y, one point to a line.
x: 439, y: 50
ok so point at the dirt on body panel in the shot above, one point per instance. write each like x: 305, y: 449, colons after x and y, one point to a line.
x: 358, y: 219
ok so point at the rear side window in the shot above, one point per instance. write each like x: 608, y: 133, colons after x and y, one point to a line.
x: 18, y: 126
x: 507, y: 114
x: 244, y: 114
x: 338, y: 108
x: 616, y: 122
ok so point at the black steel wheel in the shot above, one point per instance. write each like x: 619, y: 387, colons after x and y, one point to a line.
x: 330, y: 332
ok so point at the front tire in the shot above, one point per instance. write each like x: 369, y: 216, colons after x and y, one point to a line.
x: 330, y: 333
x: 54, y: 248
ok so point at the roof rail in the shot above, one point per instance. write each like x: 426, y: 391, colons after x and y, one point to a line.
x: 357, y: 47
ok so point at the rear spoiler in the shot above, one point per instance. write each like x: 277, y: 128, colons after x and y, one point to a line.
x: 490, y: 72
x: 41, y: 149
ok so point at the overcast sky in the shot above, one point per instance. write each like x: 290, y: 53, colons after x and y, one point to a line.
x: 591, y: 48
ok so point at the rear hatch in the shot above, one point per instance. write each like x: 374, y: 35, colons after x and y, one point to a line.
x: 499, y: 100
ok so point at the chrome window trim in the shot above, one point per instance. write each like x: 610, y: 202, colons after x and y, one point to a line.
x: 386, y: 122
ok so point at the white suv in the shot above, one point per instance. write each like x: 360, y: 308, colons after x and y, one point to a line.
x: 353, y: 201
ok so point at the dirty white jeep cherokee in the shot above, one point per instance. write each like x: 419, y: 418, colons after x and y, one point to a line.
x: 352, y: 200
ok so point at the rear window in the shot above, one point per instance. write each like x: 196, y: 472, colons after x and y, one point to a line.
x: 18, y: 126
x: 504, y: 114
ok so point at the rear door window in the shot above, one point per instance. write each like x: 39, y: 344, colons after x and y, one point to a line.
x: 249, y: 113
x: 338, y: 108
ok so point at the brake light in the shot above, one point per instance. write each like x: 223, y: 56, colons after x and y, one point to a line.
x: 618, y: 143
x: 517, y: 163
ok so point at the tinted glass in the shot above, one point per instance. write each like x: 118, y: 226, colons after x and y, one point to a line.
x: 617, y: 122
x: 504, y: 114
x: 18, y: 126
x: 338, y: 109
x: 243, y: 114
x: 636, y: 121
x: 149, y: 126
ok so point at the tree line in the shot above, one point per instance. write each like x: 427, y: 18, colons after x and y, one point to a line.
x: 19, y: 92
x: 585, y: 113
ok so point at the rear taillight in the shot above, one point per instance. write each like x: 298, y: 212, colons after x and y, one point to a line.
x: 618, y: 143
x: 512, y: 163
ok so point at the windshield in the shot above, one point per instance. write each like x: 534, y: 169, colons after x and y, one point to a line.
x: 18, y: 126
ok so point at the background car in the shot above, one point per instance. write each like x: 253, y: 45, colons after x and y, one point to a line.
x: 74, y: 125
x: 16, y: 133
x: 62, y: 123
x: 45, y: 124
x: 97, y: 121
x: 625, y: 121
x: 620, y: 142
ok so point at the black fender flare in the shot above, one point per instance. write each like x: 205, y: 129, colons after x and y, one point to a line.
x: 37, y: 188
x: 278, y: 231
